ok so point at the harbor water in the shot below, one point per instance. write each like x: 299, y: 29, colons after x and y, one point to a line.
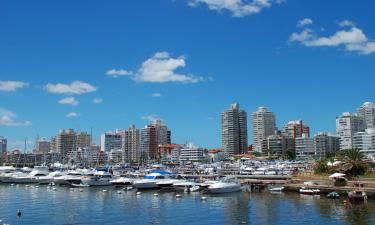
x: 43, y: 205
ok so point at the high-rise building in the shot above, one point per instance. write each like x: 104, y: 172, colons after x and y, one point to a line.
x: 347, y: 125
x: 234, y: 130
x: 152, y: 136
x: 43, y: 146
x: 3, y: 145
x: 131, y: 142
x: 296, y: 129
x: 83, y: 139
x: 326, y: 143
x: 277, y: 146
x: 111, y: 140
x: 367, y: 112
x: 149, y: 143
x: 65, y: 141
x: 264, y: 125
x: 304, y: 147
x: 365, y: 142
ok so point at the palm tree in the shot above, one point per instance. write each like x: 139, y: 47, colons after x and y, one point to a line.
x: 355, y: 162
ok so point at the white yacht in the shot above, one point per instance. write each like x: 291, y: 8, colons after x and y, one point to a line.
x: 99, y: 178
x: 224, y: 186
x: 69, y: 178
x: 38, y: 171
x: 184, y: 185
x: 149, y: 181
x: 49, y: 178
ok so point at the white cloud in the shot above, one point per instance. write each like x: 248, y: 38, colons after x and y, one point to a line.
x: 69, y: 101
x: 161, y: 68
x: 8, y: 118
x: 353, y: 40
x: 75, y: 88
x: 238, y: 8
x: 116, y: 73
x: 156, y: 95
x: 12, y: 85
x: 304, y: 22
x: 150, y: 118
x: 72, y: 114
x: 346, y: 23
x: 97, y: 100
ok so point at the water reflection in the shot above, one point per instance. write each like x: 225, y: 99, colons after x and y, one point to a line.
x: 93, y: 206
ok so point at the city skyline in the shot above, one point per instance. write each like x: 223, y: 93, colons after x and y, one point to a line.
x: 181, y: 61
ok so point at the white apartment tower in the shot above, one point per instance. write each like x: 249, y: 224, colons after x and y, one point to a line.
x: 234, y: 130
x: 111, y: 140
x: 365, y: 142
x: 131, y: 142
x: 264, y: 125
x: 367, y: 112
x: 347, y: 125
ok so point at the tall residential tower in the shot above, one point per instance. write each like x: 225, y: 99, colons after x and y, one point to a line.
x: 234, y: 130
x: 264, y: 125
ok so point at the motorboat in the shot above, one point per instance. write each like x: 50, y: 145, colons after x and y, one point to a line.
x: 122, y: 181
x: 149, y: 181
x: 357, y: 195
x: 69, y: 178
x: 38, y: 171
x: 333, y: 195
x: 309, y: 191
x: 186, y: 185
x: 224, y: 187
x: 49, y: 178
x: 99, y: 178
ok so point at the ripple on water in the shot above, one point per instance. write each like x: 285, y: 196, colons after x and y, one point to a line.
x: 93, y: 206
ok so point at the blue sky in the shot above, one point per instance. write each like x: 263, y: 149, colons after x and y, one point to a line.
x: 184, y: 61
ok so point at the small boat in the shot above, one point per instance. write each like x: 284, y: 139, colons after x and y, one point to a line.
x: 357, y: 195
x: 274, y: 189
x: 99, y: 178
x: 224, y: 186
x: 333, y: 195
x: 309, y: 191
x: 183, y: 185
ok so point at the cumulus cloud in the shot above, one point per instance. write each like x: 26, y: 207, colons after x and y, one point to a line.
x: 352, y: 39
x: 12, y: 85
x: 72, y: 115
x: 304, y: 22
x: 346, y: 23
x: 9, y: 118
x: 69, y: 101
x: 75, y: 88
x: 238, y: 8
x: 156, y: 95
x: 161, y: 68
x: 97, y: 100
x: 117, y: 73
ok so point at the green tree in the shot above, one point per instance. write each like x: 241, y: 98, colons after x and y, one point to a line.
x: 355, y: 162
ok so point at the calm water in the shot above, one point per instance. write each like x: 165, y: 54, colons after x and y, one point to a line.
x: 93, y: 206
